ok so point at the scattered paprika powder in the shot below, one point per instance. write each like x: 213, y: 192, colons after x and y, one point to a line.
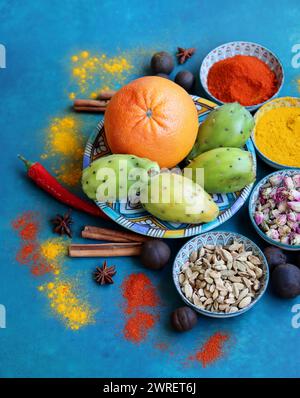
x: 212, y: 349
x: 139, y: 292
x: 242, y: 78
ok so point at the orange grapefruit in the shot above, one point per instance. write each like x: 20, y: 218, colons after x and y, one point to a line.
x: 152, y: 117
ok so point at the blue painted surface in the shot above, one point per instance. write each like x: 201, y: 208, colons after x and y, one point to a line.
x: 39, y: 38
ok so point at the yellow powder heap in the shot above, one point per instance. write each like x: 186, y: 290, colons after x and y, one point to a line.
x: 67, y: 305
x: 53, y: 250
x: 277, y: 135
x: 98, y: 71
x: 65, y: 143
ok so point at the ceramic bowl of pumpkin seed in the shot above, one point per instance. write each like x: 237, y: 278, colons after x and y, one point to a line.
x: 220, y: 274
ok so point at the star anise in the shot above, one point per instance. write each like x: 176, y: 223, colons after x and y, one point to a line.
x: 103, y: 275
x: 183, y: 54
x: 62, y: 224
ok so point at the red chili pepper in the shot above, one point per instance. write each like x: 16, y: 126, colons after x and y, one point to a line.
x: 48, y: 183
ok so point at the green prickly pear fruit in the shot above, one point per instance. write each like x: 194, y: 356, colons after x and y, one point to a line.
x: 110, y: 178
x: 229, y: 125
x: 175, y: 198
x: 225, y: 169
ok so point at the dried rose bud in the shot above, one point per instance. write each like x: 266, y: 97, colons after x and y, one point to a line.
x: 258, y: 217
x: 294, y: 195
x: 275, y: 180
x: 292, y: 216
x: 288, y: 182
x: 282, y: 207
x: 281, y: 220
x: 295, y: 238
x: 285, y: 240
x: 294, y: 206
x: 296, y: 180
x: 273, y: 234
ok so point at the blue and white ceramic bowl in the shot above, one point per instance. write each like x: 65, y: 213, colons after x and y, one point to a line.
x: 292, y: 102
x: 220, y: 239
x: 252, y: 205
x: 231, y: 49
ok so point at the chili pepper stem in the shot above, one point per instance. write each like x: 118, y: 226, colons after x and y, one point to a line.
x: 27, y: 163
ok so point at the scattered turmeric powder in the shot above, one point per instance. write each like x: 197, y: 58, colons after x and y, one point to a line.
x: 53, y: 251
x: 98, y: 70
x: 65, y: 302
x: 65, y: 143
x: 277, y: 134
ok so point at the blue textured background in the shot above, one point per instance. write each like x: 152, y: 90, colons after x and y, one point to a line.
x: 39, y: 37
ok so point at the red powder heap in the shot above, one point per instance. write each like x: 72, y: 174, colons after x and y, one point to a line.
x: 139, y: 292
x: 212, y: 349
x: 242, y: 78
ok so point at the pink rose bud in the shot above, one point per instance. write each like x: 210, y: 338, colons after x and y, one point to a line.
x: 294, y: 206
x: 295, y: 195
x: 292, y: 216
x: 295, y: 238
x: 258, y: 217
x: 276, y: 180
x: 288, y: 182
x: 296, y: 180
x: 273, y: 234
x: 281, y: 220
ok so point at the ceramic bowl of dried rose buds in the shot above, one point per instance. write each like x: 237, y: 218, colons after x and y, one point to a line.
x: 220, y: 274
x: 274, y: 209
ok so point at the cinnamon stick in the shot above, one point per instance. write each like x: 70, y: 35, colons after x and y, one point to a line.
x: 89, y: 102
x: 94, y: 105
x: 111, y: 235
x: 94, y: 109
x: 106, y: 95
x: 105, y: 249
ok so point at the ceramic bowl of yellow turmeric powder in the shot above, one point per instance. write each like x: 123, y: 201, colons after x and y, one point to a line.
x: 276, y: 134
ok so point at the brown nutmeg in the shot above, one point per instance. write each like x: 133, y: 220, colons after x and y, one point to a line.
x: 183, y: 318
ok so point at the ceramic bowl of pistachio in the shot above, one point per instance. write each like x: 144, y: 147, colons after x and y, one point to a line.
x: 221, y: 274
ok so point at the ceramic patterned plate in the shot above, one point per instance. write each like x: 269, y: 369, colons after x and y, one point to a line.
x: 282, y: 102
x: 241, y: 48
x: 135, y: 218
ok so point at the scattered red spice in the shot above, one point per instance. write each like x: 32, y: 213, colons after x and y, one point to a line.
x: 212, y: 349
x: 242, y: 78
x: 26, y: 253
x: 27, y: 226
x: 139, y: 292
x: 138, y: 325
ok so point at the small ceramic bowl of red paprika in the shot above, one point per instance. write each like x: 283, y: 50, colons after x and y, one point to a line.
x: 242, y: 72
